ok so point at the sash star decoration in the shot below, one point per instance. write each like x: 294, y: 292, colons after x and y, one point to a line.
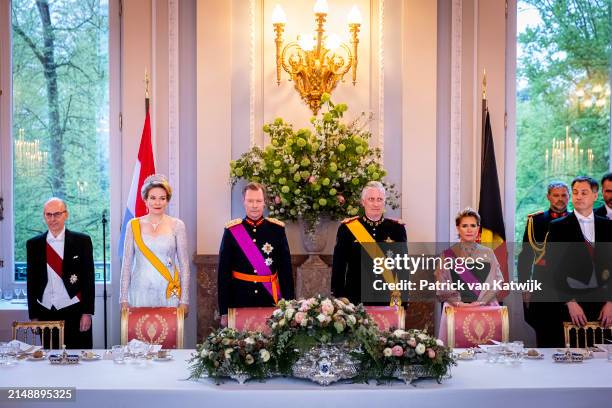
x: 267, y: 248
x: 269, y: 261
x: 73, y: 279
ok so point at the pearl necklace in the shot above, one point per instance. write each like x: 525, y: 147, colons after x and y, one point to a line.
x: 155, y: 225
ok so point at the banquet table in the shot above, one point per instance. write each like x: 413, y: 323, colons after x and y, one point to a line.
x: 475, y: 383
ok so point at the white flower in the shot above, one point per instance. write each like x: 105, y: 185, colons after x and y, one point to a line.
x: 420, y: 348
x: 264, y: 355
x: 422, y: 336
x: 351, y: 320
x: 249, y: 340
x: 399, y: 333
x: 281, y: 322
x: 274, y: 325
x: 228, y: 353
x: 249, y: 359
x: 204, y: 353
x: 439, y: 342
x: 321, y: 317
x: 289, y: 313
x: 387, y: 352
x: 211, y: 355
x: 304, y: 323
x: 277, y: 313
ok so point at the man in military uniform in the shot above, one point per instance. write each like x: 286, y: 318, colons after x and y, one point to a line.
x: 531, y: 263
x: 347, y: 273
x: 606, y: 192
x: 254, y: 259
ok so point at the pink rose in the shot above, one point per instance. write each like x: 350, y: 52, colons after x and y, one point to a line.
x: 299, y: 317
x: 327, y: 307
x: 397, y: 351
x: 431, y: 353
x: 312, y: 179
x: 412, y: 342
x: 341, y: 199
x: 277, y: 200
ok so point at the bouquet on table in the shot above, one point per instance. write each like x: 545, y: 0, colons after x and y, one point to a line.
x: 299, y: 325
x: 406, y: 354
x: 231, y: 353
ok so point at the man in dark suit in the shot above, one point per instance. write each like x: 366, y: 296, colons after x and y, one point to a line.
x: 579, y: 256
x: 254, y: 259
x: 348, y: 273
x: 606, y: 192
x: 531, y: 261
x: 60, y: 277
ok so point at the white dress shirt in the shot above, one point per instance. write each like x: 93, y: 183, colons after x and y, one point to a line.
x: 587, y: 225
x: 55, y: 293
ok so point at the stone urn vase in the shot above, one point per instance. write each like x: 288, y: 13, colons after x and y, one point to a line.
x: 313, y: 276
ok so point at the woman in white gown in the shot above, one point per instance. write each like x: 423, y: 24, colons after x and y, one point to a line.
x: 155, y: 269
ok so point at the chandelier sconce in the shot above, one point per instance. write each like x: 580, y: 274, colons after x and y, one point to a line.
x: 29, y: 158
x: 316, y: 61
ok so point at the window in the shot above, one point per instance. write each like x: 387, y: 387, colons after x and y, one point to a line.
x: 562, y: 98
x: 60, y: 118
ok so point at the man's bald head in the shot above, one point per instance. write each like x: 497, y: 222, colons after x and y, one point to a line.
x: 55, y: 213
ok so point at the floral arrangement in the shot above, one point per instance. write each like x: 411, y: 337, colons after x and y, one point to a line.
x: 400, y: 348
x: 228, y: 351
x: 310, y: 175
x: 298, y: 325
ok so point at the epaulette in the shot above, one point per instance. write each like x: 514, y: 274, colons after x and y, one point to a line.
x: 347, y: 220
x: 535, y: 213
x: 233, y: 222
x: 275, y: 221
x: 399, y: 221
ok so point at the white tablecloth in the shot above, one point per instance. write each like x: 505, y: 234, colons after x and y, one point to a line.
x: 473, y: 384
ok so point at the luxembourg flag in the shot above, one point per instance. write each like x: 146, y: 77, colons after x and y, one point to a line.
x: 145, y: 166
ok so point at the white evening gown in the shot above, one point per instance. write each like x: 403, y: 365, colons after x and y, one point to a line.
x: 141, y: 284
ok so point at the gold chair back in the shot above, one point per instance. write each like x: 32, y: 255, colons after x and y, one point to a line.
x: 34, y: 332
x: 581, y: 337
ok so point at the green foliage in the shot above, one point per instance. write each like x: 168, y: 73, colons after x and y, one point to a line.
x: 567, y: 51
x: 313, y: 174
x: 73, y: 127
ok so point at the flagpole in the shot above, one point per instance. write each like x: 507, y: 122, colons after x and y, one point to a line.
x: 146, y: 80
x: 484, y: 118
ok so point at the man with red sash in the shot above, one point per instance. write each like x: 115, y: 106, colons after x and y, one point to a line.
x: 254, y: 259
x: 362, y: 233
x: 60, y: 277
x: 579, y: 258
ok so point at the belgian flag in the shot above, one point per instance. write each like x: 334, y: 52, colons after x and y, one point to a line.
x: 493, y: 232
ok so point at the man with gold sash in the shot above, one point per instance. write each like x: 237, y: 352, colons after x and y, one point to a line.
x: 532, y: 265
x: 362, y: 233
x: 254, y: 259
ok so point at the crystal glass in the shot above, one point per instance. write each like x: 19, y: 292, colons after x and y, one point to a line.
x: 118, y: 354
x: 17, y: 291
x: 517, y: 349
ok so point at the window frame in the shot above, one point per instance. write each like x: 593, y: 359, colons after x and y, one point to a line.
x: 7, y: 249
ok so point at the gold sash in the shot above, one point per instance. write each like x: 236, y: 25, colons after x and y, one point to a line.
x: 174, y: 284
x: 363, y: 236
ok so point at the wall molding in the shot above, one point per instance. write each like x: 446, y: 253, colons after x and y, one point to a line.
x: 173, y: 105
x: 456, y: 112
